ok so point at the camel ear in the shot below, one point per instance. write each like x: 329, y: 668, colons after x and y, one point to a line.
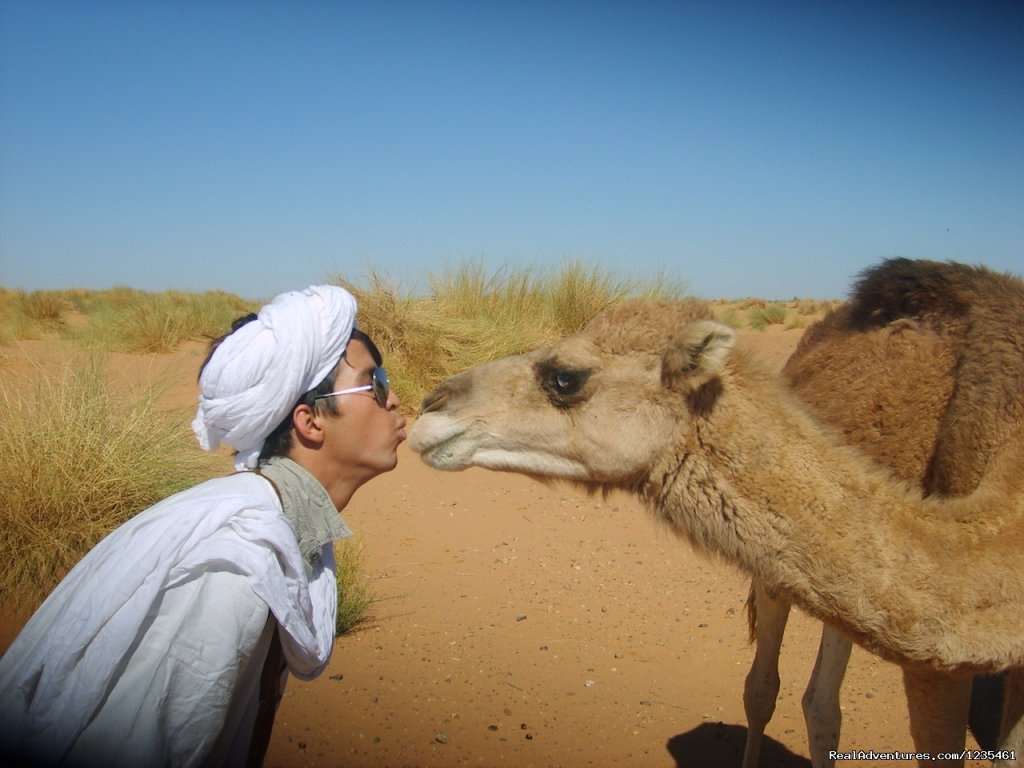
x: 698, y: 352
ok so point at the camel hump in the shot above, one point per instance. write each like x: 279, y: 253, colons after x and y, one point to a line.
x: 916, y: 288
x: 927, y: 356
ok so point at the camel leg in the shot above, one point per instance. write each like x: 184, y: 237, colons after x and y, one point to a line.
x: 762, y: 685
x: 821, y: 699
x: 938, y: 703
x: 1011, y: 735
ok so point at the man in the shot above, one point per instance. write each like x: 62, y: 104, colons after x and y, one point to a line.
x: 169, y: 643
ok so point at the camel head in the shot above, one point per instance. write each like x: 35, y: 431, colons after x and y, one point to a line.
x: 595, y: 409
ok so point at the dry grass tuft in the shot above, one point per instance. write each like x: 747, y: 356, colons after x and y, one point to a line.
x: 730, y: 317
x: 355, y: 593
x: 406, y: 331
x: 77, y: 459
x: 124, y: 320
x: 470, y: 315
x: 770, y: 314
x: 119, y: 319
x: 814, y: 307
x: 31, y: 315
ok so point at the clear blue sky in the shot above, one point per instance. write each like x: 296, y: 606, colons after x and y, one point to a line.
x: 772, y: 148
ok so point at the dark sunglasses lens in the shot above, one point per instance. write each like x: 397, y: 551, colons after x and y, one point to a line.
x: 380, y: 386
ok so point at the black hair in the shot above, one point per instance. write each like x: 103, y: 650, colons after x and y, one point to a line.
x: 279, y: 441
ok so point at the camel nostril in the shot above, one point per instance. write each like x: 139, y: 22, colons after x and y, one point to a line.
x: 453, y: 388
x: 434, y: 401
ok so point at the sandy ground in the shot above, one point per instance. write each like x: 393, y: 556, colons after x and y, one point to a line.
x: 529, y: 625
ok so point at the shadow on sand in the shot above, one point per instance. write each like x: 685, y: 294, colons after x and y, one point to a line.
x: 714, y: 745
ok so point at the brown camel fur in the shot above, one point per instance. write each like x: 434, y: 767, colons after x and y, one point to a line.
x: 650, y: 399
x: 917, y: 355
x: 922, y: 369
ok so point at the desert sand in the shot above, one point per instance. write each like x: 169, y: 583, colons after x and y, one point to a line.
x: 520, y: 624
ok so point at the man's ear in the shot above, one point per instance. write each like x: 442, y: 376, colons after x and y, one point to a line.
x: 697, y: 353
x: 306, y: 423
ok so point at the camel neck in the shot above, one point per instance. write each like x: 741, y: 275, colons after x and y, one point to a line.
x: 760, y: 483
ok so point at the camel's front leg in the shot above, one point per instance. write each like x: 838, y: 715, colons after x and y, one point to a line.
x: 762, y: 685
x: 821, y: 699
x: 1011, y: 735
x: 938, y: 703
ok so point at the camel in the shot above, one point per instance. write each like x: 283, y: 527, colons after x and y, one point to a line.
x: 652, y: 398
x: 903, y: 382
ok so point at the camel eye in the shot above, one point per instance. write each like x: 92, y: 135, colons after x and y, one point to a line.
x: 563, y: 386
x: 564, y: 382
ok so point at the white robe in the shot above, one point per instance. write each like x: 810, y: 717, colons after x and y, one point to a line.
x: 149, y: 653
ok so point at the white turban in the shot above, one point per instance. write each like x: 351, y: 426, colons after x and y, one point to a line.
x: 260, y: 371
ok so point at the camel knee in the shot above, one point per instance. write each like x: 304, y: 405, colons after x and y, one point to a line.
x: 824, y: 719
x: 760, y: 692
x: 768, y: 625
x: 821, y: 709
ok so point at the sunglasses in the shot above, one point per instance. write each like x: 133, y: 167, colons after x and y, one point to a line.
x: 379, y: 387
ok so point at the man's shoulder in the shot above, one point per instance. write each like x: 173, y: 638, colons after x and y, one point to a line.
x: 243, y: 484
x: 228, y: 494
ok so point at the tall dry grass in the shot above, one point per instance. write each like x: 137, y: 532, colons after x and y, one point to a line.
x: 119, y: 319
x: 137, y: 321
x: 355, y: 591
x: 470, y: 315
x: 466, y: 315
x: 79, y: 457
x: 770, y: 314
x: 31, y: 315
